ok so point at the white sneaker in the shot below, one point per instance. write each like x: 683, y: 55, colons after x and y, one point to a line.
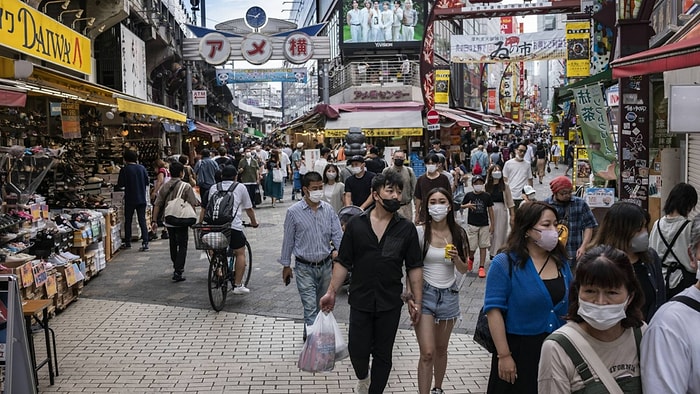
x: 362, y: 386
x: 240, y: 289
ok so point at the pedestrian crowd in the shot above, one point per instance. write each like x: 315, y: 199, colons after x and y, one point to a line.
x: 572, y: 305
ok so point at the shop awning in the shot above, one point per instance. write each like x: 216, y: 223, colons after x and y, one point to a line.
x: 212, y: 132
x: 681, y: 54
x: 461, y: 117
x: 377, y: 123
x: 142, y: 107
x: 12, y: 97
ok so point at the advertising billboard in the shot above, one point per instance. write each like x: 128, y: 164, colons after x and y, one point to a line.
x: 377, y: 24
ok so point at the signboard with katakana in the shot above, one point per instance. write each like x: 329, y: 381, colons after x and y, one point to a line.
x: 508, y: 47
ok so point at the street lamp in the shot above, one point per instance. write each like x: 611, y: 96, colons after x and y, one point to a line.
x: 78, y: 14
x: 65, y: 5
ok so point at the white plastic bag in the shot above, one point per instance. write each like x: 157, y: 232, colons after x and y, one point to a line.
x: 341, y: 347
x: 318, y: 354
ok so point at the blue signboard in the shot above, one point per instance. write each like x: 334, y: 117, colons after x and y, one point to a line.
x: 225, y: 77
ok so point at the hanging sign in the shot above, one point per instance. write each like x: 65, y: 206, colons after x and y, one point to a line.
x: 578, y: 45
x: 199, y: 97
x: 70, y: 120
x: 508, y: 47
x: 297, y: 75
x: 442, y: 86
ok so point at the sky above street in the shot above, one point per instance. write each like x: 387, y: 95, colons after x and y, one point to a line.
x: 223, y: 10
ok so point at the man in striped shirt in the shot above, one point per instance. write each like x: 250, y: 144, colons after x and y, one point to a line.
x: 312, y: 234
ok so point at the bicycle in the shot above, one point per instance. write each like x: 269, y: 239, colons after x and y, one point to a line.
x: 215, y: 239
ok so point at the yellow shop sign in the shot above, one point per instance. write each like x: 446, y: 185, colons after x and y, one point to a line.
x: 27, y: 30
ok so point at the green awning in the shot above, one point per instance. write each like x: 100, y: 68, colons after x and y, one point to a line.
x: 564, y: 93
x: 258, y: 133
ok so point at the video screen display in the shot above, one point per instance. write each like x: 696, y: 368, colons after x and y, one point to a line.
x: 384, y: 24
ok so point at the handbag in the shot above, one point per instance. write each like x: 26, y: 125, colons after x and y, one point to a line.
x: 178, y: 212
x: 277, y: 176
x: 482, y: 332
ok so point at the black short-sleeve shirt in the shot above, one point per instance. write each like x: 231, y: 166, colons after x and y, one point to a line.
x: 376, y: 265
x: 359, y: 188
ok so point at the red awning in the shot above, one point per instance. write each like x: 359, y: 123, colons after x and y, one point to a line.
x: 215, y: 132
x: 12, y: 98
x: 681, y: 54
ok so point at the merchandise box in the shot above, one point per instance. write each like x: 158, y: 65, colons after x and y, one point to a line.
x: 23, y: 270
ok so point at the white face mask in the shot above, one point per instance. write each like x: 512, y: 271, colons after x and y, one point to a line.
x: 438, y: 212
x: 497, y: 175
x: 315, y: 195
x: 355, y: 170
x: 431, y: 168
x: 601, y: 317
x: 478, y: 188
x: 331, y: 175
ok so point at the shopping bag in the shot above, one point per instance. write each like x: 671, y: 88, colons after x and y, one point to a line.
x: 318, y: 354
x: 341, y: 347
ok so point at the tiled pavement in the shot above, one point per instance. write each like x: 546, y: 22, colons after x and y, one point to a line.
x: 134, y: 331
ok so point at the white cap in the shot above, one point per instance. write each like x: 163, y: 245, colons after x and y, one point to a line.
x: 300, y: 144
x: 529, y: 190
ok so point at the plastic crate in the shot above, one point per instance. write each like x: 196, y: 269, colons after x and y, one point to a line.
x: 211, y: 237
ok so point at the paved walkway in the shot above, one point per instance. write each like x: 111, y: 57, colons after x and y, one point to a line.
x: 133, y: 330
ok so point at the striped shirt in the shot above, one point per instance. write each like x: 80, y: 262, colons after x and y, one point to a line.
x: 309, y: 235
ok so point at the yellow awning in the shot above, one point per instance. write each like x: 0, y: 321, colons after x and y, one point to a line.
x: 142, y: 107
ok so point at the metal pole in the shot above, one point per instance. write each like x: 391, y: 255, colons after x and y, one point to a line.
x: 326, y: 90
x: 284, y: 120
x: 190, y: 105
x: 203, y: 11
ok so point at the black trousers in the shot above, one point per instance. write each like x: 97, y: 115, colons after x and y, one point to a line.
x: 128, y: 219
x: 178, y: 247
x: 373, y: 333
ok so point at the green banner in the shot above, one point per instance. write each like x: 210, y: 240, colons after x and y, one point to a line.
x: 595, y: 128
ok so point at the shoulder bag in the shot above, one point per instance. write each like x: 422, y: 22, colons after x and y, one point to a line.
x: 482, y: 333
x: 178, y: 212
x: 277, y: 176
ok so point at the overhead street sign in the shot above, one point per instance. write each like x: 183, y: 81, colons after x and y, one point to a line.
x: 433, y: 127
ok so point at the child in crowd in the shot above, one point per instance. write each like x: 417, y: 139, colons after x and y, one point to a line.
x: 479, y: 222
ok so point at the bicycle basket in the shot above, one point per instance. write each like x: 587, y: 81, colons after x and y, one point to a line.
x: 207, y: 237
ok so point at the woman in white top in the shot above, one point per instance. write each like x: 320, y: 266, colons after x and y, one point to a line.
x: 440, y: 286
x: 670, y: 238
x: 503, y: 207
x: 604, y: 317
x: 332, y: 189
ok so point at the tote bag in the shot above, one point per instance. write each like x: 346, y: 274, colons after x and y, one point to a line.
x: 178, y: 212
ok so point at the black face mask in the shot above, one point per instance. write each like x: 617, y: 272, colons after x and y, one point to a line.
x: 391, y: 205
x: 398, y: 162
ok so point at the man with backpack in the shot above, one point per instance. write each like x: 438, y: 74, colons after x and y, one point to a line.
x: 226, y: 200
x: 206, y: 170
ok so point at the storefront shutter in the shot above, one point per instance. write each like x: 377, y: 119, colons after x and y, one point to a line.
x: 694, y: 165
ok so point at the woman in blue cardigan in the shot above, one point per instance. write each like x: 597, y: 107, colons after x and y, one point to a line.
x: 527, y: 292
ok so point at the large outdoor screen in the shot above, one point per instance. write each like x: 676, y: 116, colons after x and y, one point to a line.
x: 382, y: 24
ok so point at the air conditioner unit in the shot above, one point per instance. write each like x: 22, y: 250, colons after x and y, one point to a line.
x: 148, y: 33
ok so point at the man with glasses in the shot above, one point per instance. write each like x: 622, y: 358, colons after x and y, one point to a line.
x: 575, y: 214
x: 517, y: 174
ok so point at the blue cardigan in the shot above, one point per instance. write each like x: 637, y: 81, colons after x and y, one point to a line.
x: 524, y: 298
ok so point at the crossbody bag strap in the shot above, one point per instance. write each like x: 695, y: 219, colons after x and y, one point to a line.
x: 180, y: 189
x: 688, y: 301
x: 579, y: 363
x: 594, y: 362
x: 669, y: 246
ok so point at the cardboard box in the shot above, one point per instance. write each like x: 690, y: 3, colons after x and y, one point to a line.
x: 23, y: 270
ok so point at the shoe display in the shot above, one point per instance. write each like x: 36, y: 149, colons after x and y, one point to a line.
x: 482, y: 272
x: 240, y: 289
x: 363, y: 386
x: 470, y: 264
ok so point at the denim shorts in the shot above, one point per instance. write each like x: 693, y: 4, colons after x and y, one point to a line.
x: 442, y: 304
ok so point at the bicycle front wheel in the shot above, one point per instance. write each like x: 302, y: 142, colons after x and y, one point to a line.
x: 218, y: 281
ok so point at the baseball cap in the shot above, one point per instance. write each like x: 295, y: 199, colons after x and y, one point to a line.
x: 300, y: 144
x: 355, y: 158
x: 477, y: 178
x: 528, y: 190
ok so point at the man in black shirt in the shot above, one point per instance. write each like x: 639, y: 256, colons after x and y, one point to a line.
x: 375, y: 247
x: 358, y: 187
x: 375, y: 163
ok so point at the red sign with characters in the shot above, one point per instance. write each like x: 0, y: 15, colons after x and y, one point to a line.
x: 506, y: 25
x: 432, y: 116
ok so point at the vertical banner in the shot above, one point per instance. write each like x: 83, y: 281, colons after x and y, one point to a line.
x: 578, y: 49
x: 70, y: 120
x: 593, y: 119
x: 633, y: 142
x: 492, y: 100
x: 506, y: 25
x: 442, y: 86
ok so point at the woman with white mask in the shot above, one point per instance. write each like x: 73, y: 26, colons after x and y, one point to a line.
x: 624, y: 227
x: 333, y: 189
x: 503, y: 207
x: 445, y: 249
x: 598, y: 350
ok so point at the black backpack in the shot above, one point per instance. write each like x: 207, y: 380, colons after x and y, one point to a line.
x: 220, y: 207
